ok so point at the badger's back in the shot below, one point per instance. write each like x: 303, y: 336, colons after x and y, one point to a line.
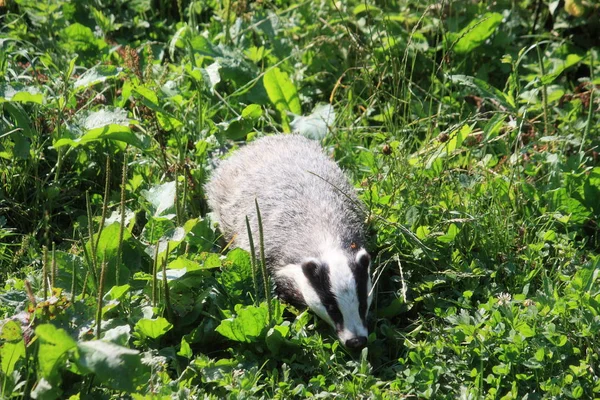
x: 305, y: 200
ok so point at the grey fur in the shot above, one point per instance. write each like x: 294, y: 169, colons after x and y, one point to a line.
x: 304, y: 198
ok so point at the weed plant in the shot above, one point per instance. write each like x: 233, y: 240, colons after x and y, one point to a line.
x: 470, y: 129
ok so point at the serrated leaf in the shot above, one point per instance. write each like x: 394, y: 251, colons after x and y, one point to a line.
x: 95, y: 75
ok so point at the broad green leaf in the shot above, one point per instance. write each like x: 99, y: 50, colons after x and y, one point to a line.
x: 147, y: 94
x: 316, y: 125
x: 115, y: 366
x: 276, y: 338
x: 116, y: 292
x: 185, y: 350
x: 55, y: 345
x: 475, y: 34
x: 450, y: 234
x: 108, y: 244
x: 253, y: 111
x: 560, y: 66
x: 20, y: 93
x: 237, y: 274
x: 282, y: 93
x: 483, y: 88
x: 560, y: 201
x: 525, y: 330
x: 107, y: 123
x: 118, y: 335
x: 152, y: 328
x: 422, y: 232
x: 182, y: 262
x: 13, y: 347
x: 11, y: 331
x: 456, y: 138
x: 22, y: 146
x: 247, y: 325
x: 78, y: 38
x: 236, y: 129
x: 44, y: 390
x: 21, y: 118
x: 211, y: 75
x: 95, y: 75
x: 161, y: 197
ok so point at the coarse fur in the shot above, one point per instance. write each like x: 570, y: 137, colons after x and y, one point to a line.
x: 313, y: 225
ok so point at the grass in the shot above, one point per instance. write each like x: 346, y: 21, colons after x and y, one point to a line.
x: 469, y: 129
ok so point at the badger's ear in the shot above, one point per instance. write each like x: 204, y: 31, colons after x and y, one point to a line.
x: 363, y: 259
x: 311, y: 269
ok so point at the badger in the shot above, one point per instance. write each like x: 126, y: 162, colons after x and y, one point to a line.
x: 313, y: 224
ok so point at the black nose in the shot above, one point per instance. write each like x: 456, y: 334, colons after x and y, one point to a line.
x: 356, y: 342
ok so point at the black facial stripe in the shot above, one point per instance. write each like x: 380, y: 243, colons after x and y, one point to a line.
x: 318, y: 277
x: 361, y: 277
x: 287, y: 291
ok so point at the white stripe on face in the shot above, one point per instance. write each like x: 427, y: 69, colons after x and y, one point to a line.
x: 294, y: 273
x: 344, y: 287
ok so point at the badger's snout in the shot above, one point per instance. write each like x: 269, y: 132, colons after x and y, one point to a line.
x: 357, y: 342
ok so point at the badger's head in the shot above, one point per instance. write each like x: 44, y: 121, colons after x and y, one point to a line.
x: 337, y: 287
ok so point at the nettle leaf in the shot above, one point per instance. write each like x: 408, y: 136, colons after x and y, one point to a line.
x: 115, y: 366
x: 54, y: 349
x: 20, y: 93
x: 316, y: 125
x: 108, y: 123
x: 247, y: 325
x: 474, y: 34
x: 98, y: 74
x: 283, y: 94
x: 152, y: 328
